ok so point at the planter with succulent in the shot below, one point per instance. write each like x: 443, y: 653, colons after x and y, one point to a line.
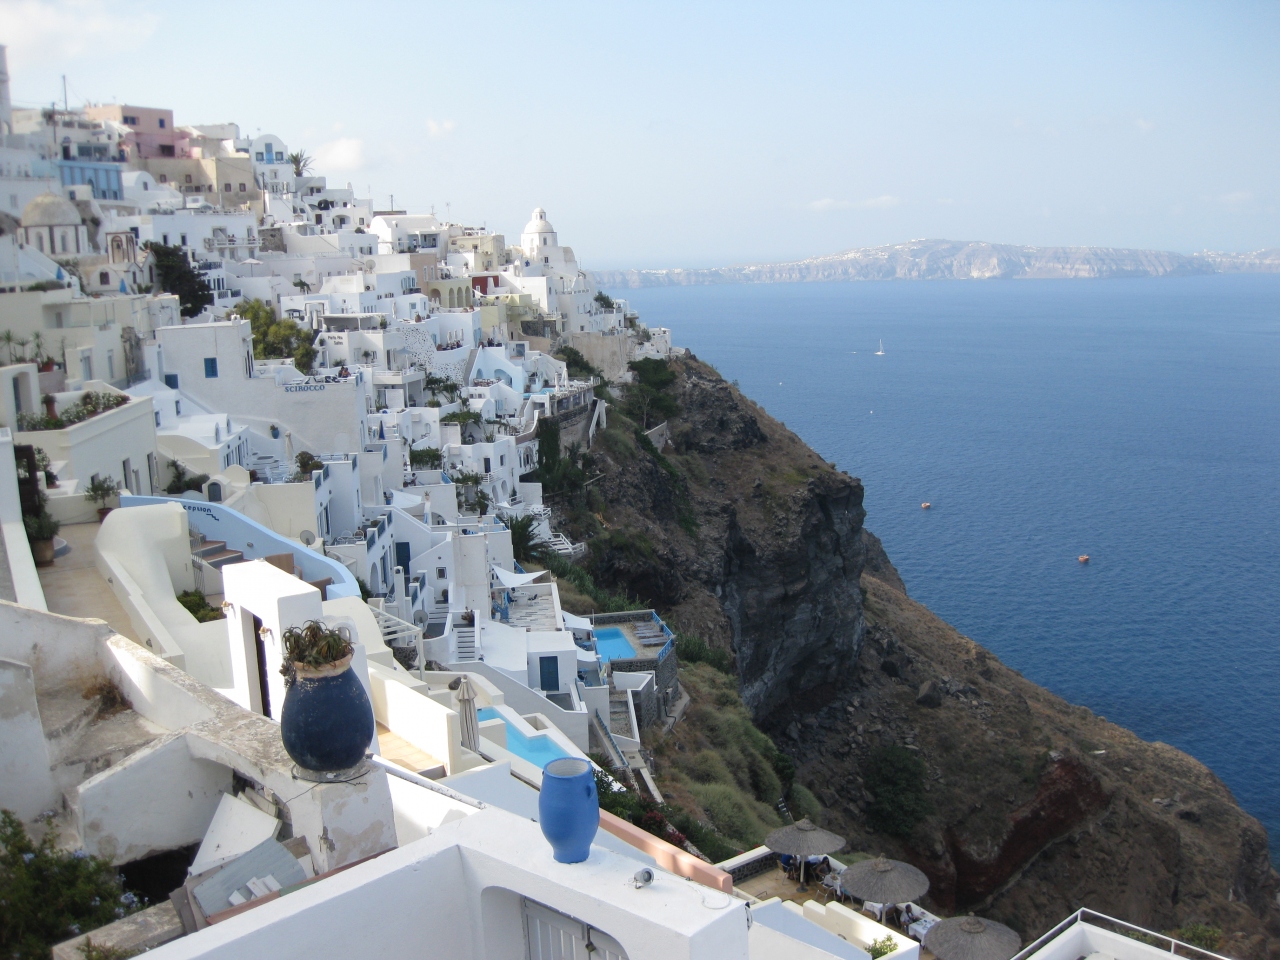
x: 41, y: 529
x: 99, y: 491
x: 327, y: 720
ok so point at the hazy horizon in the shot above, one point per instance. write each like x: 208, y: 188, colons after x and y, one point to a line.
x: 662, y: 136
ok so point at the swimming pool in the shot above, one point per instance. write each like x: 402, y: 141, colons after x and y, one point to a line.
x: 612, y: 644
x: 538, y: 750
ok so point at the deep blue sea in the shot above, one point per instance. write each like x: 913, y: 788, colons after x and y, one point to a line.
x: 1136, y: 421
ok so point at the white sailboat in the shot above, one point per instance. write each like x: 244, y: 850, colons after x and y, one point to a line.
x: 880, y: 352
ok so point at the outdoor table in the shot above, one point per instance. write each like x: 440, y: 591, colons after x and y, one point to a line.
x: 918, y: 929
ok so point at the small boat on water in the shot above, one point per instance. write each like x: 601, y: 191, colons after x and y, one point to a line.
x: 1083, y: 558
x: 880, y: 352
x: 926, y: 505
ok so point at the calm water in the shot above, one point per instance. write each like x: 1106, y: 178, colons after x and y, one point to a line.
x: 1137, y: 421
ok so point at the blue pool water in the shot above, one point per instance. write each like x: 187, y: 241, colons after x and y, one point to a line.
x: 1135, y: 420
x: 612, y: 644
x: 538, y: 750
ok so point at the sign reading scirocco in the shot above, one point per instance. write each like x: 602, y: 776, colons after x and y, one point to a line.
x: 303, y: 387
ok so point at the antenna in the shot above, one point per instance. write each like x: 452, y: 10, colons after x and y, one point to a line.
x: 64, y: 94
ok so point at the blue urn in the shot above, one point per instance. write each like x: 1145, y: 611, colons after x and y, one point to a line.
x: 327, y: 720
x: 568, y: 808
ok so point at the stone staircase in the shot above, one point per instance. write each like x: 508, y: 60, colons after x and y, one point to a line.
x: 214, y: 552
x: 619, y: 715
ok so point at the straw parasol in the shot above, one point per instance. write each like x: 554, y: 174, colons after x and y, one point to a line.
x: 884, y: 881
x: 466, y: 695
x: 971, y: 938
x: 804, y: 839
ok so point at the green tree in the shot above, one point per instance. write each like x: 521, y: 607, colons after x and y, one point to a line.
x: 526, y: 545
x: 275, y: 337
x: 604, y: 300
x: 895, y: 778
x: 48, y: 895
x: 175, y: 275
x: 648, y: 401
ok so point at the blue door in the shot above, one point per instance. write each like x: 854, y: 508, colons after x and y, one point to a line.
x: 402, y: 561
x: 549, y: 673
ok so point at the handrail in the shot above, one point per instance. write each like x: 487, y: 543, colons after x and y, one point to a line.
x: 612, y: 742
x: 398, y: 771
x: 1080, y: 916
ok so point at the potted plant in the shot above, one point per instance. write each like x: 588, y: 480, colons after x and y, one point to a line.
x: 327, y: 720
x: 50, y: 405
x: 100, y: 491
x: 275, y: 432
x: 41, y: 529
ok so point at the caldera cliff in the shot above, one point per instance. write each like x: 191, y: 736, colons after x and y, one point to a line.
x: 1031, y: 807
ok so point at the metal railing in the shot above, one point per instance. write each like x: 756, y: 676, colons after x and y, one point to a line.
x: 1112, y: 925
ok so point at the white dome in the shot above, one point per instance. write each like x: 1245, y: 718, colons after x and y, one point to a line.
x: 51, y: 210
x: 539, y: 224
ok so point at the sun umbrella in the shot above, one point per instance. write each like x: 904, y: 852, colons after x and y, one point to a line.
x: 804, y: 839
x: 884, y: 881
x: 971, y: 938
x: 466, y: 695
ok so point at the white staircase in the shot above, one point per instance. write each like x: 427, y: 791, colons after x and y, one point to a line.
x: 270, y: 469
x: 465, y: 639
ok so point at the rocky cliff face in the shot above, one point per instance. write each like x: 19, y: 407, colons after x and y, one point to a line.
x: 742, y: 535
x: 958, y: 260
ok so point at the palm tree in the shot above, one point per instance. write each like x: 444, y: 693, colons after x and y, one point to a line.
x: 8, y: 339
x: 301, y: 162
x: 526, y: 545
x: 37, y: 345
x: 21, y: 342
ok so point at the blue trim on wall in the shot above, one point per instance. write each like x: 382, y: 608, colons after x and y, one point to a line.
x: 218, y: 522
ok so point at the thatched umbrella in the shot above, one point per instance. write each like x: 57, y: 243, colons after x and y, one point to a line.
x: 884, y: 881
x: 804, y: 839
x: 971, y: 938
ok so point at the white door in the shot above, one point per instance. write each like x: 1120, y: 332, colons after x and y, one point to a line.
x: 552, y: 935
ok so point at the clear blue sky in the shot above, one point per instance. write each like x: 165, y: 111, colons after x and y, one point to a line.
x: 676, y: 134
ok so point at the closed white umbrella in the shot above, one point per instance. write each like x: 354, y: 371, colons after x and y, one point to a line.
x: 466, y: 696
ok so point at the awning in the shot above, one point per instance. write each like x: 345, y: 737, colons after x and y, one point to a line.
x: 573, y: 622
x: 513, y: 580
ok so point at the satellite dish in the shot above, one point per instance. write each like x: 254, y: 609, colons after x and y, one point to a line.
x: 370, y: 264
x: 307, y: 537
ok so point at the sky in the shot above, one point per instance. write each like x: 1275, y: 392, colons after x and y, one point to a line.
x: 682, y: 134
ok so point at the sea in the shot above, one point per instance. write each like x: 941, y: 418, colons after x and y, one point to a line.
x: 1135, y: 421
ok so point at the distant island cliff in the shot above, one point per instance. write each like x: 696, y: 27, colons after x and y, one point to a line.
x: 958, y: 260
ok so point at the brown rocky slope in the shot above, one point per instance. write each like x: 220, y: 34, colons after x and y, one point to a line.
x: 742, y: 535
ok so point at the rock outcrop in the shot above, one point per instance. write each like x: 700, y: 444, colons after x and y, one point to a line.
x: 742, y: 535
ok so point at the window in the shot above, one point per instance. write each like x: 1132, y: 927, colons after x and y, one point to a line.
x: 442, y: 573
x: 210, y: 368
x: 226, y: 187
x: 258, y: 156
x: 164, y: 239
x: 111, y: 365
x: 279, y: 157
x: 130, y: 121
x: 164, y: 178
x: 177, y: 408
x: 186, y: 178
x: 166, y: 150
x: 183, y: 237
x: 242, y: 188
x: 104, y: 278
x: 157, y: 418
x: 162, y: 123
x: 171, y: 381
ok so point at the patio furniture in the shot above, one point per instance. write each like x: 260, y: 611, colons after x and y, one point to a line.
x: 831, y: 887
x: 804, y: 839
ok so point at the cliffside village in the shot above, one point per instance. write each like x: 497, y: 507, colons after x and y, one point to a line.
x: 333, y: 421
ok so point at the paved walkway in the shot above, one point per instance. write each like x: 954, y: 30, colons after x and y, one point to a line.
x: 74, y: 588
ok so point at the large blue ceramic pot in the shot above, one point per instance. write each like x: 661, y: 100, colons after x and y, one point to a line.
x: 327, y: 720
x: 568, y: 808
